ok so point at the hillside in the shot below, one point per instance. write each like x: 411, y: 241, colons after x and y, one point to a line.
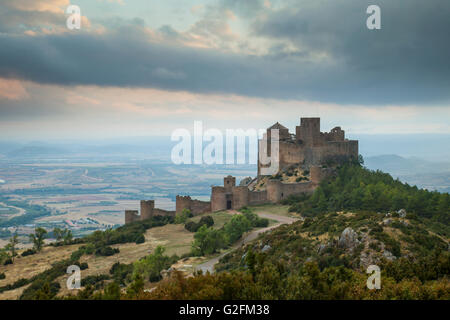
x: 313, y: 247
x: 355, y: 219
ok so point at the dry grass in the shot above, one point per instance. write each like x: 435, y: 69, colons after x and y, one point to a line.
x: 174, y: 238
x: 276, y: 209
x: 29, y: 266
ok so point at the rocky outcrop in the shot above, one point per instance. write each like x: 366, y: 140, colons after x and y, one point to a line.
x: 401, y: 213
x: 388, y: 255
x: 348, y: 239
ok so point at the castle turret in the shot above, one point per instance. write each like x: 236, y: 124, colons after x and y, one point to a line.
x: 229, y: 182
x: 147, y: 207
x: 218, y: 199
x: 309, y: 131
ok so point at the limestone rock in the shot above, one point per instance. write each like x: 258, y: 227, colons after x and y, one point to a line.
x: 266, y: 248
x: 387, y: 221
x: 388, y: 255
x: 402, y: 213
x: 348, y: 238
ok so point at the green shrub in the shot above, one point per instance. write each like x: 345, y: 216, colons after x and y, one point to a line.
x: 193, y: 226
x: 83, y: 266
x: 106, y: 251
x: 94, y: 280
x: 28, y: 252
x: 140, y: 239
x: 183, y: 216
x: 121, y: 272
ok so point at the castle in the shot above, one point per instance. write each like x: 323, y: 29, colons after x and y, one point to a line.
x: 304, y: 159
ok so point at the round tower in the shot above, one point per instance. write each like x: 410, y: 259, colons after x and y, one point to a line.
x: 218, y: 199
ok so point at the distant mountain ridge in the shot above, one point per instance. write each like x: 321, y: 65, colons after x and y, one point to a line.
x: 415, y: 171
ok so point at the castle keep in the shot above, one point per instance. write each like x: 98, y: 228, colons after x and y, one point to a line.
x: 311, y: 147
x: 304, y: 159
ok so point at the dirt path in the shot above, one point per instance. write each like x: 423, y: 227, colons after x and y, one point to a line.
x: 209, y: 265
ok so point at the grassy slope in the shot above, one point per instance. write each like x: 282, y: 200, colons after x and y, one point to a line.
x: 174, y: 238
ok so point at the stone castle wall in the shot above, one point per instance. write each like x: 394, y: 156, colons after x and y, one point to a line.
x: 162, y: 212
x: 257, y: 197
x: 195, y: 206
x: 131, y: 216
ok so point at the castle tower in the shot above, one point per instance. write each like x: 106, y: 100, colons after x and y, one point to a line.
x: 218, y: 199
x: 240, y: 197
x: 147, y: 207
x: 182, y: 202
x: 229, y: 182
x: 308, y: 131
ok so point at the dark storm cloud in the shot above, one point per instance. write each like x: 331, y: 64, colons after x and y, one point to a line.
x: 404, y: 62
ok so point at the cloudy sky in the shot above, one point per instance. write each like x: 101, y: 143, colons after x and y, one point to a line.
x: 147, y: 67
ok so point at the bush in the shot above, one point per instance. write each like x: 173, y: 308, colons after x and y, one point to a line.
x: 183, y: 216
x: 150, y: 267
x: 191, y: 226
x: 106, y: 251
x: 2, y: 276
x: 83, y: 266
x: 204, y: 221
x: 207, y: 220
x: 7, y: 261
x: 120, y: 272
x: 28, y: 252
x: 94, y: 280
x: 208, y: 241
x: 140, y: 239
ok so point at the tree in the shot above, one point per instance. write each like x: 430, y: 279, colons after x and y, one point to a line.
x: 67, y: 236
x: 38, y: 238
x: 236, y: 227
x: 183, y: 216
x: 151, y: 266
x: 13, y: 241
x: 207, y: 241
x: 136, y: 288
x: 58, y: 233
x: 112, y: 291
